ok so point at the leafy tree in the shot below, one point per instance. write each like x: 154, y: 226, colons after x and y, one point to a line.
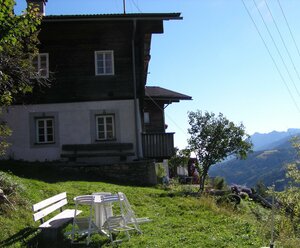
x: 180, y: 158
x: 214, y: 138
x: 290, y: 197
x: 18, y: 44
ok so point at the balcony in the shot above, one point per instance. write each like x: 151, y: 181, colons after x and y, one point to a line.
x: 158, y: 145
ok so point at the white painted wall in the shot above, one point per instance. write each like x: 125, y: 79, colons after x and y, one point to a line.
x: 75, y: 123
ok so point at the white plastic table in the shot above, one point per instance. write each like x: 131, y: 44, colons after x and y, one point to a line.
x: 100, y: 207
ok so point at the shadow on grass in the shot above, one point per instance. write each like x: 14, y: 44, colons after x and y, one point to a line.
x: 28, y: 237
x: 52, y: 172
x: 34, y: 238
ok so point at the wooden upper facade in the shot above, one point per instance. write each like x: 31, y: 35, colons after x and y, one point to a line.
x: 156, y: 100
x: 71, y: 43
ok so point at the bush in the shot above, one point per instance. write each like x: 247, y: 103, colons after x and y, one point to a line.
x: 12, y: 193
x: 289, y: 198
x: 160, y: 170
x: 219, y: 183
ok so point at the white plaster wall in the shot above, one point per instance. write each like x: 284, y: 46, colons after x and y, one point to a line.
x: 75, y: 121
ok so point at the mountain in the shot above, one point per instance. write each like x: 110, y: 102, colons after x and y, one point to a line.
x: 265, y: 141
x: 267, y: 163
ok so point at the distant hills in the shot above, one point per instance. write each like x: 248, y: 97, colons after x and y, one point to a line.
x: 272, y: 151
x: 266, y: 141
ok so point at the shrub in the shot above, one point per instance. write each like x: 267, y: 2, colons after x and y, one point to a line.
x: 12, y: 190
x: 219, y: 183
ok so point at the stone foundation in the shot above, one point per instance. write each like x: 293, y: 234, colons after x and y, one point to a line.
x: 137, y: 173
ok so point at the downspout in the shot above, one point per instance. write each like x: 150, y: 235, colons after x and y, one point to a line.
x: 137, y: 134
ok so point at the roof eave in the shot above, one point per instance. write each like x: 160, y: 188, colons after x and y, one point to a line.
x: 168, y: 98
x: 113, y: 17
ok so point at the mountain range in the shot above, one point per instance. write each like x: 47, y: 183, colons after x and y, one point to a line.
x: 266, y: 141
x: 267, y: 163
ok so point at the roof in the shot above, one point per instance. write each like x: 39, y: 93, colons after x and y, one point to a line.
x: 130, y: 16
x: 158, y: 93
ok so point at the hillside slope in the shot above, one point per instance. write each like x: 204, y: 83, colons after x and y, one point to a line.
x: 177, y: 220
x: 267, y: 166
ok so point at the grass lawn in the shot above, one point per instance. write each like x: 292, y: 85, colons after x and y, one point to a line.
x: 178, y: 220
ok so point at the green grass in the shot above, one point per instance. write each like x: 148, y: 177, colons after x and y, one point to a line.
x: 179, y: 220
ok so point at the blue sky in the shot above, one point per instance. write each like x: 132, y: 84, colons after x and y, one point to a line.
x: 216, y: 55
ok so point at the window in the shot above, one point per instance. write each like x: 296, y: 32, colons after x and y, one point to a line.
x: 105, y: 127
x: 44, y: 130
x: 146, y: 118
x: 41, y: 65
x: 104, y: 62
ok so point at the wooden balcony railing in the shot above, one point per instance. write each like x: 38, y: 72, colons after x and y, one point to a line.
x: 158, y: 145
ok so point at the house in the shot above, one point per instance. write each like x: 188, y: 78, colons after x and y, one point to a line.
x: 97, y: 108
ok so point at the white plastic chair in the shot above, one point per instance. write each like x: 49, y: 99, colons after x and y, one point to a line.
x: 116, y: 223
x: 129, y: 214
x: 84, y: 225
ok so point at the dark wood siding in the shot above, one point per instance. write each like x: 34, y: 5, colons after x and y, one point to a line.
x: 156, y: 115
x: 71, y: 47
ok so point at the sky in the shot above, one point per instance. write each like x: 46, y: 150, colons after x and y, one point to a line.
x: 217, y: 55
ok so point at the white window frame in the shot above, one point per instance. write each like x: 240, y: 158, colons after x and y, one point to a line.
x: 39, y: 65
x: 45, y: 133
x: 146, y: 117
x: 104, y: 117
x: 103, y: 53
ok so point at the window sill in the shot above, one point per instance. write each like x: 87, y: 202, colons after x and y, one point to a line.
x: 99, y: 75
x: 105, y: 140
x: 43, y: 144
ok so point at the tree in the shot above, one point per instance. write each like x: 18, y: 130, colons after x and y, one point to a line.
x: 289, y: 198
x: 180, y: 158
x: 18, y: 45
x: 214, y: 138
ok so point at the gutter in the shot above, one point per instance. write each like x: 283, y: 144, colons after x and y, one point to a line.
x: 78, y: 19
x: 137, y: 134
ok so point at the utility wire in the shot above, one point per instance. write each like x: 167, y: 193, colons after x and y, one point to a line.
x: 277, y: 49
x: 136, y: 5
x: 116, y: 5
x: 272, y: 58
x: 287, y: 51
x: 287, y: 23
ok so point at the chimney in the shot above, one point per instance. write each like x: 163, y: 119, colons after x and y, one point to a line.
x: 40, y: 4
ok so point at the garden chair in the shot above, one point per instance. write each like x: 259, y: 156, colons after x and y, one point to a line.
x: 117, y: 222
x: 84, y: 225
x: 129, y: 214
